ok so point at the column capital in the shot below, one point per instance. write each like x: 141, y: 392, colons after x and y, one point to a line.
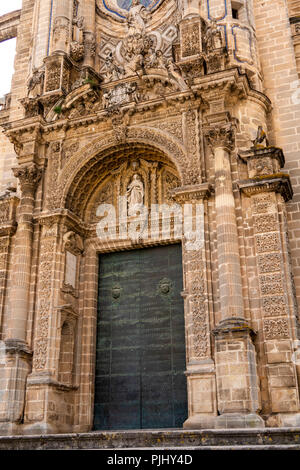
x: 29, y: 177
x: 221, y: 136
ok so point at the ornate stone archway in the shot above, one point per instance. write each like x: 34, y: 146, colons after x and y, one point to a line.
x: 99, y: 148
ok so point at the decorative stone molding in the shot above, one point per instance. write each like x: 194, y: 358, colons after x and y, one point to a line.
x: 279, y: 183
x: 61, y: 31
x: 263, y: 161
x: 185, y: 194
x: 221, y: 136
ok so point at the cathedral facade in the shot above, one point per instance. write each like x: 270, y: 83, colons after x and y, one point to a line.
x: 149, y: 216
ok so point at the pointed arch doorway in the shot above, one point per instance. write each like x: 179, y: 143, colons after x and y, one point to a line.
x: 140, y: 352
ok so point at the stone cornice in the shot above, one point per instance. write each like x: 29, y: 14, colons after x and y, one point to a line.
x: 63, y: 217
x: 29, y: 177
x: 279, y: 183
x: 192, y: 193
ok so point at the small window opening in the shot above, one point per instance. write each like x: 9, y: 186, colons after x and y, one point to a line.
x: 235, y: 14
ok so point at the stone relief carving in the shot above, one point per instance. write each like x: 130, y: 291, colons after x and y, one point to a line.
x: 47, y: 253
x: 214, y: 37
x: 137, y: 18
x: 276, y: 328
x: 267, y: 242
x: 135, y: 194
x: 77, y: 45
x: 73, y: 242
x: 61, y: 29
x: 265, y: 223
x: 28, y: 176
x: 260, y: 138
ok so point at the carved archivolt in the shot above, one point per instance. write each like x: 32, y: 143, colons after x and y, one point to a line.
x: 99, y: 149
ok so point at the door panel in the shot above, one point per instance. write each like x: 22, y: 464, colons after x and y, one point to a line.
x: 140, y: 359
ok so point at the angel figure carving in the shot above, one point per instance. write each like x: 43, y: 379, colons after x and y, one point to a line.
x: 135, y: 194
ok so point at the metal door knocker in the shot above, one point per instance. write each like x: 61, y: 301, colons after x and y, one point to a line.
x: 116, y: 292
x: 165, y: 287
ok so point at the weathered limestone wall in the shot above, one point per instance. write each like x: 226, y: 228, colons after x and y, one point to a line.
x: 281, y: 85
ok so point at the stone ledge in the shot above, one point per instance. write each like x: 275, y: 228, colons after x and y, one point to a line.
x: 270, y: 438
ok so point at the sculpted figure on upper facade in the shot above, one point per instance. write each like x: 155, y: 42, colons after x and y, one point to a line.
x: 137, y: 18
x: 135, y: 194
x: 175, y: 73
x: 213, y: 37
x: 35, y: 83
x: 113, y: 71
x: 260, y: 138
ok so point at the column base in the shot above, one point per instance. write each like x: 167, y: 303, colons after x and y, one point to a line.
x: 238, y: 420
x: 200, y: 421
x: 10, y: 429
x: 284, y: 420
x: 45, y: 428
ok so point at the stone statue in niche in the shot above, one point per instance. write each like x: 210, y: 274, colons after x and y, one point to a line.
x: 213, y: 37
x: 137, y: 18
x: 260, y: 138
x: 135, y: 194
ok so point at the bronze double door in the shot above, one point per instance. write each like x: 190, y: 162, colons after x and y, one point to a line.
x: 140, y: 358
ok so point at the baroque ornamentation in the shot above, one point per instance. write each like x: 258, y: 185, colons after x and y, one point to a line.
x: 221, y: 136
x: 275, y: 329
x: 35, y: 84
x: 47, y: 254
x: 265, y: 223
x: 29, y: 177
